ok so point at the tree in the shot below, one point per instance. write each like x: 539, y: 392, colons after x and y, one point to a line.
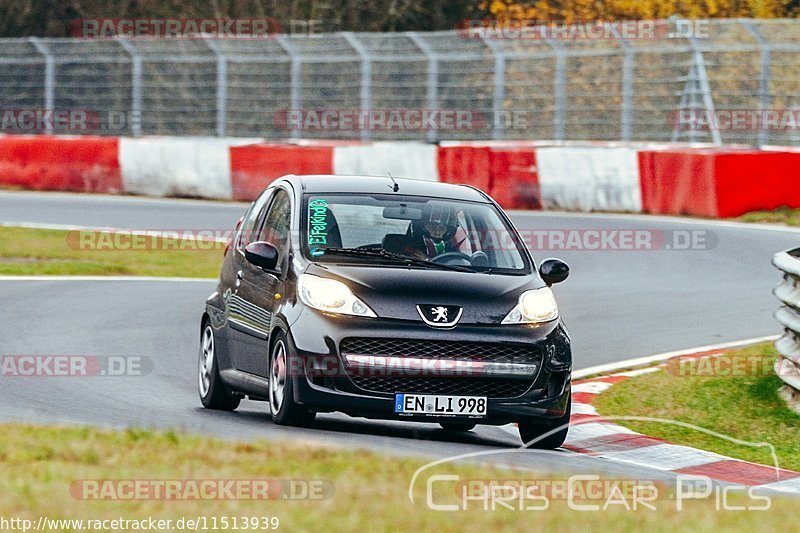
x: 587, y: 10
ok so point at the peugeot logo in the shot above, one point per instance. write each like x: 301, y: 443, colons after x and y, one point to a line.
x: 440, y: 316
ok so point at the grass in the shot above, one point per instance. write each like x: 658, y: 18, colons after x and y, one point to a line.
x: 738, y: 401
x: 369, y: 491
x: 782, y: 215
x: 25, y: 251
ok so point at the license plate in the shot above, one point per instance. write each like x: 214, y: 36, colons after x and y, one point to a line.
x: 426, y: 404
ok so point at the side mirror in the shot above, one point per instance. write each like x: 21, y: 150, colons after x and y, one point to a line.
x: 553, y: 271
x: 261, y: 254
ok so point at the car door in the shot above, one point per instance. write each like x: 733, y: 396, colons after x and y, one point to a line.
x: 237, y: 311
x: 254, y: 297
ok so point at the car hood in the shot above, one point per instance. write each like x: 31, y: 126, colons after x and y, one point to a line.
x: 395, y: 292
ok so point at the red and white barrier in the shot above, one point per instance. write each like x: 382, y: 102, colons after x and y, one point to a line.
x: 40, y: 162
x: 718, y: 182
x: 400, y: 159
x: 662, y: 179
x: 589, y: 178
x: 255, y: 166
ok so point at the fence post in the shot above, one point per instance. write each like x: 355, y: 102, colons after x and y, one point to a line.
x: 366, y: 78
x: 697, y: 81
x: 433, y: 78
x: 294, y: 91
x: 686, y: 96
x: 49, y: 79
x: 136, y: 87
x: 222, y: 85
x: 705, y: 88
x: 626, y: 116
x: 499, y: 95
x: 559, y: 91
x: 764, y: 78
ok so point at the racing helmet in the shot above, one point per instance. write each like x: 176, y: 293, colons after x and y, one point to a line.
x: 438, y: 222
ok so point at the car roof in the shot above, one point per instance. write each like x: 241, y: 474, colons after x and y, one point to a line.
x: 324, y: 183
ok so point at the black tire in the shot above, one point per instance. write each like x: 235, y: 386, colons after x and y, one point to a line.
x: 284, y: 410
x: 528, y: 431
x: 213, y: 392
x: 458, y: 426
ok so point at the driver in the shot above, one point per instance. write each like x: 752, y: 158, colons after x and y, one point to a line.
x: 435, y: 233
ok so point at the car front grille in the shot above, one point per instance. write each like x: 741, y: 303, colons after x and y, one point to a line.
x: 491, y: 387
x: 456, y: 386
x: 487, y: 352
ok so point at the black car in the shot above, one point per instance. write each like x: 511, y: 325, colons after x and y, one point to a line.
x: 389, y: 299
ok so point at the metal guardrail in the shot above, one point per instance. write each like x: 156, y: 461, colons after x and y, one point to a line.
x: 603, y: 89
x: 788, y: 292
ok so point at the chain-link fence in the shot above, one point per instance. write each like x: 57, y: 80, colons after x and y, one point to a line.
x: 616, y: 88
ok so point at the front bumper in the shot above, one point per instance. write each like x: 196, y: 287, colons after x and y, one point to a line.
x: 329, y: 387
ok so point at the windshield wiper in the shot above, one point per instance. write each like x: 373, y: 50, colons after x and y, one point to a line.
x: 385, y: 254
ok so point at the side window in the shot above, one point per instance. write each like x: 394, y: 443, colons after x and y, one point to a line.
x: 251, y: 220
x: 276, y: 224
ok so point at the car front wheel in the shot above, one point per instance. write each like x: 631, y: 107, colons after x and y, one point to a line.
x: 213, y: 393
x: 285, y: 411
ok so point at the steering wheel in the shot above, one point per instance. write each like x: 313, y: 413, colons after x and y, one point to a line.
x: 447, y: 256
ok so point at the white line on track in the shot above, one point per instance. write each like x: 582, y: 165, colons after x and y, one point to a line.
x: 108, y: 278
x: 59, y: 227
x: 650, y: 359
x: 660, y: 218
x: 71, y: 227
x: 122, y: 198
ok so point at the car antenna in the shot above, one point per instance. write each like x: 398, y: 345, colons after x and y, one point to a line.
x: 395, y: 187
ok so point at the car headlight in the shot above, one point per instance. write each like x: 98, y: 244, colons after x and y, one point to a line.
x: 330, y: 296
x: 534, y: 307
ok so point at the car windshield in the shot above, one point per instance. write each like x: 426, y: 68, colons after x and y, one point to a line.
x: 419, y: 231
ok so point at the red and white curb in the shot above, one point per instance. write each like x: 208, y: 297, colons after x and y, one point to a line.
x: 591, y: 434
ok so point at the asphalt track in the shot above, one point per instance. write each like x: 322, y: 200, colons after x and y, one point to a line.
x: 617, y: 304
